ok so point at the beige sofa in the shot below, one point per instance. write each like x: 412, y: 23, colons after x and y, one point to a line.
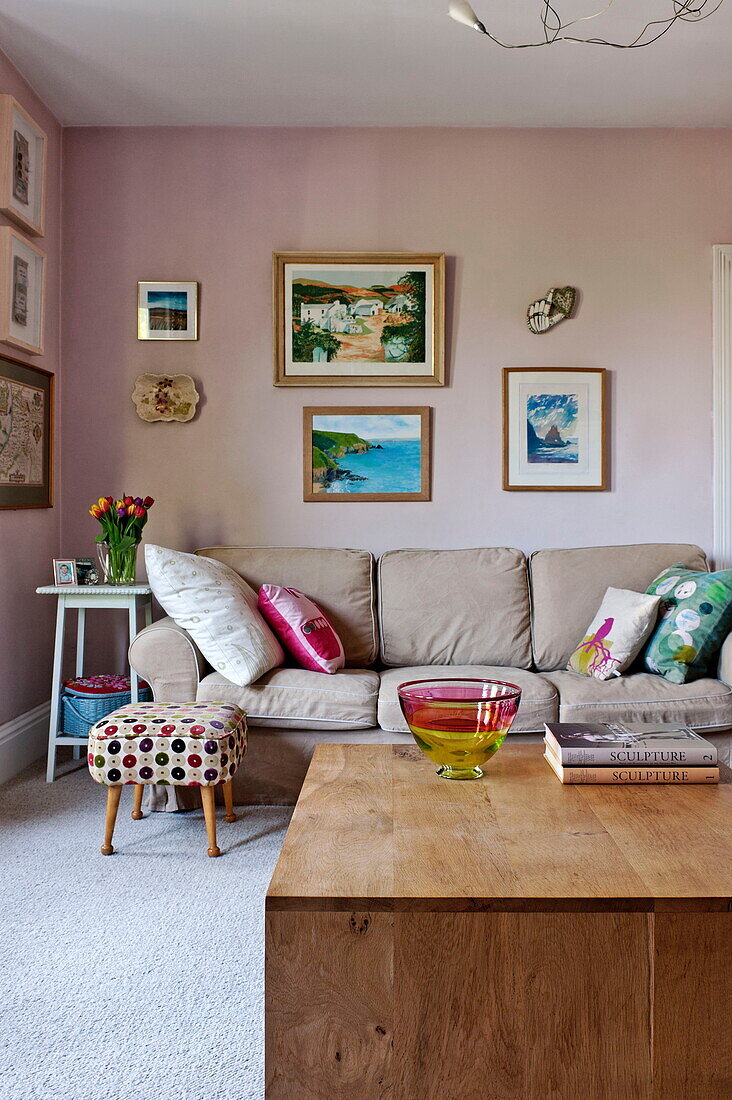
x: 418, y: 613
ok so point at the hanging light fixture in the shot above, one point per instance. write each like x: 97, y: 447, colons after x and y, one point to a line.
x: 554, y: 29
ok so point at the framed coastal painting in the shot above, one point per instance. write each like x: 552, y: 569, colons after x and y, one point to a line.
x: 554, y: 435
x: 22, y: 167
x: 366, y: 454
x: 22, y: 281
x: 26, y: 435
x: 359, y: 318
x: 167, y: 311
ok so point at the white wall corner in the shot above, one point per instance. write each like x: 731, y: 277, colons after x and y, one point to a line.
x: 722, y: 404
x: 23, y: 740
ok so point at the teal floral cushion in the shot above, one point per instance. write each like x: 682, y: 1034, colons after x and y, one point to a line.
x: 696, y: 616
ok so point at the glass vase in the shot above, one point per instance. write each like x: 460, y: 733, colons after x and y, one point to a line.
x: 118, y: 566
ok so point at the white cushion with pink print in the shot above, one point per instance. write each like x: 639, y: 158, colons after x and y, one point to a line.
x: 302, y: 628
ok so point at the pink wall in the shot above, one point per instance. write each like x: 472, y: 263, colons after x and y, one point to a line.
x: 627, y: 216
x: 29, y: 539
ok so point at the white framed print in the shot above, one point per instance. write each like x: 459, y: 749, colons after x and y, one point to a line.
x: 22, y: 279
x: 167, y: 311
x: 22, y: 167
x: 554, y: 435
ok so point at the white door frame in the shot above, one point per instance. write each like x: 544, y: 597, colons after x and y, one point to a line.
x: 722, y: 404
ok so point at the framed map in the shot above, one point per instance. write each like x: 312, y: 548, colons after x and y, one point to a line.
x: 26, y: 435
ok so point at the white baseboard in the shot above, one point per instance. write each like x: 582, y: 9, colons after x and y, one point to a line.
x: 23, y: 740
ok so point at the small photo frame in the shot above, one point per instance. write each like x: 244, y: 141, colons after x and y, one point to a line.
x: 22, y: 167
x: 167, y: 311
x: 366, y: 453
x: 64, y: 571
x: 554, y: 435
x: 22, y: 281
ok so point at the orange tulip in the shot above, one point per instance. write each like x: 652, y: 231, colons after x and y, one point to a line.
x: 95, y: 511
x: 130, y: 509
x: 103, y: 504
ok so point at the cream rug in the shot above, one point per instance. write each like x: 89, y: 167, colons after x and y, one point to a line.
x: 137, y: 975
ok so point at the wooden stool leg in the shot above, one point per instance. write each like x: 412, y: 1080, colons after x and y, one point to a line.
x: 137, y: 808
x: 229, y: 802
x: 209, y: 812
x: 113, y: 797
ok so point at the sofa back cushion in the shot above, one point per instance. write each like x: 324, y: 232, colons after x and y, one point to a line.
x: 454, y: 607
x: 568, y: 586
x: 339, y: 581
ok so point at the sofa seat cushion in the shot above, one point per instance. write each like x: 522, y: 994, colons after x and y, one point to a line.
x: 539, y: 700
x: 642, y: 697
x: 295, y: 698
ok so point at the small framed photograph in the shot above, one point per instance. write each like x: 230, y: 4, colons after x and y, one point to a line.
x: 22, y: 166
x: 22, y: 280
x: 64, y: 571
x: 554, y: 436
x: 359, y: 318
x: 86, y: 571
x: 366, y: 454
x: 167, y: 311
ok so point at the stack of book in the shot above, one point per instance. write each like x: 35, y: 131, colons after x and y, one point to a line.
x: 609, y: 752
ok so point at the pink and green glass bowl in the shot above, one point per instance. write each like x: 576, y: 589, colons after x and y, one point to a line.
x: 459, y: 724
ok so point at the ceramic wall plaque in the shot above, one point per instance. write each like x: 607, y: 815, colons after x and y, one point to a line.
x: 165, y: 397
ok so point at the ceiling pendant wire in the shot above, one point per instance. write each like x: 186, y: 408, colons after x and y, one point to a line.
x: 687, y: 11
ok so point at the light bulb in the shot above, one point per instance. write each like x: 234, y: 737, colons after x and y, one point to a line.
x: 461, y: 12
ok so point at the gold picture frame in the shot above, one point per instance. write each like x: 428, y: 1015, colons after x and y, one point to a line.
x: 555, y: 429
x: 403, y: 470
x: 22, y: 291
x: 29, y: 484
x: 167, y: 310
x: 23, y: 147
x: 341, y: 326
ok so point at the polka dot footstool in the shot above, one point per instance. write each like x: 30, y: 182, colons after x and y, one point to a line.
x: 181, y: 744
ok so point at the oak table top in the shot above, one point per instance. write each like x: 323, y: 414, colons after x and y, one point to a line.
x: 376, y: 828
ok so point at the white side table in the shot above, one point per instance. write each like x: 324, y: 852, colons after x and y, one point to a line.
x: 132, y: 597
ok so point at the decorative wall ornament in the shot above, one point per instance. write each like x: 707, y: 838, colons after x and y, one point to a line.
x: 165, y: 397
x: 546, y: 312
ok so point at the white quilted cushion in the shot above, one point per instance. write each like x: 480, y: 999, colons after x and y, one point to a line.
x: 219, y: 611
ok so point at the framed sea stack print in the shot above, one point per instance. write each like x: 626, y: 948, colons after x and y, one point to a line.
x: 167, y: 311
x: 23, y: 167
x: 359, y: 318
x: 22, y: 279
x: 26, y: 435
x: 554, y: 429
x: 366, y: 453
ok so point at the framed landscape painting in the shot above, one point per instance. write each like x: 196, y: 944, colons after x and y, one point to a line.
x: 26, y: 435
x: 366, y: 454
x: 554, y: 429
x: 167, y: 311
x: 359, y: 318
x: 22, y: 166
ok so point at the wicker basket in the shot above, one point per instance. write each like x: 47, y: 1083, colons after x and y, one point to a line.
x: 79, y: 711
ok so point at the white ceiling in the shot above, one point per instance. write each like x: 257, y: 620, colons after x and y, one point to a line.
x: 359, y: 63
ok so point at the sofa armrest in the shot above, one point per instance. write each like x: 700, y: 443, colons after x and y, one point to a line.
x: 724, y: 668
x: 166, y: 656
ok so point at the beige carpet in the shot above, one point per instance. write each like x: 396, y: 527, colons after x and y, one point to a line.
x: 137, y: 975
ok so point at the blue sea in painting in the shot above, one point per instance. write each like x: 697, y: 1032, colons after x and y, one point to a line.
x: 540, y: 452
x: 393, y: 469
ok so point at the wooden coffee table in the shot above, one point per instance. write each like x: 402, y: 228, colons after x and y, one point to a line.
x: 502, y: 938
